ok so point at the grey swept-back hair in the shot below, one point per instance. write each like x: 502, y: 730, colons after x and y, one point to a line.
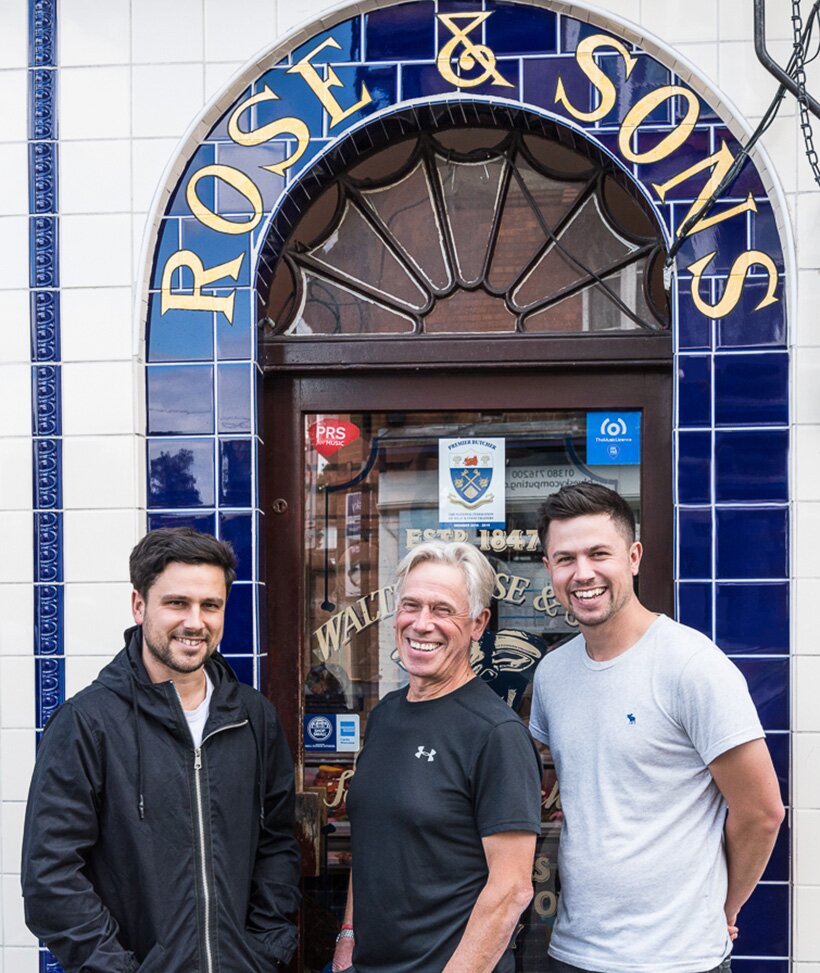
x: 479, y: 575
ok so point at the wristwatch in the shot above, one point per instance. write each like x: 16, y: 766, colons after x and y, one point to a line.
x: 346, y: 932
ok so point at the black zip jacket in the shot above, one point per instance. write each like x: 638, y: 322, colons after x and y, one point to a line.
x: 141, y: 853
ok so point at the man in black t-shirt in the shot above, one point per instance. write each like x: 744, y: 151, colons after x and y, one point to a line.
x: 445, y: 802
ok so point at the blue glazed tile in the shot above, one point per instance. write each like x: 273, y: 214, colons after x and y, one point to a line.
x: 233, y: 338
x: 748, y: 180
x: 573, y: 31
x: 381, y: 84
x: 235, y: 472
x: 694, y: 390
x: 179, y: 335
x: 44, y: 264
x: 49, y: 615
x: 424, y: 80
x: 206, y: 523
x: 48, y: 547
x: 777, y: 869
x: 48, y: 963
x: 752, y: 466
x: 752, y: 543
x: 404, y: 32
x: 252, y: 159
x: 180, y: 473
x: 205, y: 155
x: 765, y: 235
x: 234, y: 397
x: 50, y: 683
x: 238, y: 635
x: 220, y: 130
x: 780, y: 750
x: 748, y: 327
x: 214, y: 249
x: 515, y: 29
x: 346, y: 46
x: 237, y: 529
x: 180, y: 399
x: 768, y: 681
x: 167, y: 244
x: 295, y: 98
x: 751, y: 389
x: 694, y: 467
x: 244, y: 667
x: 540, y: 78
x: 695, y: 543
x: 693, y: 151
x: 741, y: 965
x: 647, y: 76
x: 764, y: 923
x: 753, y: 618
x: 695, y: 606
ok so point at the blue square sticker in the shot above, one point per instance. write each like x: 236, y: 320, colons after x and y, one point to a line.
x: 613, y: 438
x: 320, y: 732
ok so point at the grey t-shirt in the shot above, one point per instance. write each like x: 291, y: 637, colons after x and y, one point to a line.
x: 641, y: 859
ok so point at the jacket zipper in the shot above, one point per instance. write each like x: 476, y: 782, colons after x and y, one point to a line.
x: 203, y: 861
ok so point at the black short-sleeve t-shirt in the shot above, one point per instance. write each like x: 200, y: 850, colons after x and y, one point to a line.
x: 433, y: 779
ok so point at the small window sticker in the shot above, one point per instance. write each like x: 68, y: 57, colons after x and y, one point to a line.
x: 613, y: 438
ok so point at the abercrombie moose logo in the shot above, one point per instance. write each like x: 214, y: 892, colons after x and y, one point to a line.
x: 471, y: 475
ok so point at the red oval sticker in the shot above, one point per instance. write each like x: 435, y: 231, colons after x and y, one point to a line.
x: 330, y: 435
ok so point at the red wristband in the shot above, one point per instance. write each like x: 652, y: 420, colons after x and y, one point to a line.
x: 346, y: 925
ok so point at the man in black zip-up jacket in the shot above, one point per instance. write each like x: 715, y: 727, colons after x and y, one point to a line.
x: 152, y: 844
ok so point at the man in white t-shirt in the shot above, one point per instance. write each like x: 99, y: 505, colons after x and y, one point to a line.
x: 654, y: 736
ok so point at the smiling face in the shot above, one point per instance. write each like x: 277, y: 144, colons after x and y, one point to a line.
x: 182, y: 617
x: 592, y: 566
x: 434, y: 629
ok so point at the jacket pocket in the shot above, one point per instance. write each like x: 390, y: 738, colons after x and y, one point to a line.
x: 154, y: 961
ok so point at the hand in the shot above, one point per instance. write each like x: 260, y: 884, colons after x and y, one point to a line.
x: 343, y: 954
x: 731, y: 926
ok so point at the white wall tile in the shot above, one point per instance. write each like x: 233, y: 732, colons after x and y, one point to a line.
x: 13, y: 106
x: 703, y: 56
x: 291, y: 15
x: 806, y: 968
x: 807, y: 598
x: 97, y: 544
x: 236, y: 32
x: 13, y: 34
x: 806, y: 760
x: 806, y: 927
x: 217, y: 77
x: 95, y: 250
x: 81, y: 671
x: 736, y: 21
x: 96, y: 615
x: 167, y: 31
x: 167, y: 98
x: 15, y: 932
x: 14, y: 184
x: 14, y: 252
x: 95, y: 103
x: 808, y: 219
x: 95, y: 177
x: 806, y: 837
x: 16, y: 618
x: 151, y: 156
x: 98, y: 398
x: 806, y: 444
x: 94, y: 33
x: 807, y: 385
x: 99, y: 472
x: 806, y: 670
x: 17, y: 563
x: 744, y: 80
x: 780, y: 141
x: 17, y: 692
x: 804, y: 330
x: 13, y: 814
x: 15, y: 400
x: 21, y: 959
x: 14, y: 315
x: 96, y: 324
x: 15, y: 474
x: 693, y: 21
x: 16, y: 765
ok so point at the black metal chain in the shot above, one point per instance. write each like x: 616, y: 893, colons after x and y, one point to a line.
x: 799, y: 75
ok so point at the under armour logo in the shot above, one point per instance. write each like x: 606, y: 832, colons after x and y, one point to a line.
x: 421, y: 752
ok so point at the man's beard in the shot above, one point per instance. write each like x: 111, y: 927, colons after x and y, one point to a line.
x: 160, y: 649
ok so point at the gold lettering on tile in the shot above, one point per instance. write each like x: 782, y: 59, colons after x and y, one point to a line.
x: 719, y: 162
x: 472, y: 55
x: 734, y: 283
x: 321, y: 86
x: 585, y: 56
x: 196, y: 300
x: 641, y: 110
x: 241, y: 182
x: 281, y: 126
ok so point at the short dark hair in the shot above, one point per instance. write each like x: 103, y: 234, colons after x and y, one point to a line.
x: 580, y: 500
x: 161, y: 547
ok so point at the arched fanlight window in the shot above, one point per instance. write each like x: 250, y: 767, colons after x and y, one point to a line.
x: 469, y: 230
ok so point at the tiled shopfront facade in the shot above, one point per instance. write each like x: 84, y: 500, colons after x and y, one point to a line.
x: 108, y: 112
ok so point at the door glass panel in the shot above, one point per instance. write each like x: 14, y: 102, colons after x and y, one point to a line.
x: 371, y: 494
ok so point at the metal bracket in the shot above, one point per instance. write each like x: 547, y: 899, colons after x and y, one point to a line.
x: 772, y: 66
